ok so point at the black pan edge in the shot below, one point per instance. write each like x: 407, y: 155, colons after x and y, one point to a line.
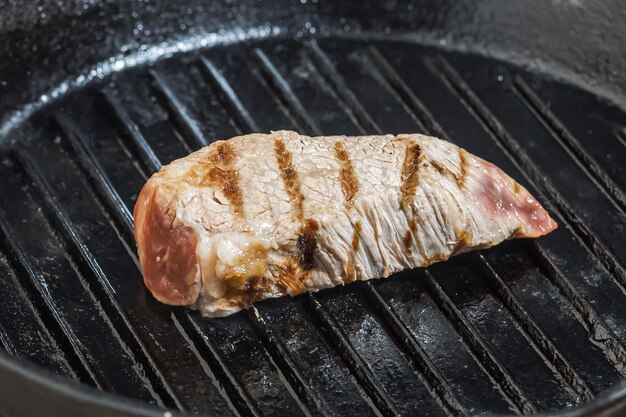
x: 35, y: 391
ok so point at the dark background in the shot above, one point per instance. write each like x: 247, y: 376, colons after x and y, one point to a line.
x: 43, y: 43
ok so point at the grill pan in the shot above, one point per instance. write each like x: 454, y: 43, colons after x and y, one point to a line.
x: 97, y: 97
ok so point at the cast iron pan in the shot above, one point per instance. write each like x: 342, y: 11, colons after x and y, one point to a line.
x: 95, y: 96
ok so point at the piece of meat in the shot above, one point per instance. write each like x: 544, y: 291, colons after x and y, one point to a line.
x: 264, y: 215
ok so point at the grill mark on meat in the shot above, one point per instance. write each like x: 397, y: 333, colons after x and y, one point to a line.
x: 460, y: 179
x: 408, y: 236
x: 224, y: 153
x: 347, y: 176
x: 412, y: 159
x: 228, y: 181
x: 407, y: 239
x: 218, y: 171
x: 306, y: 243
x: 410, y: 177
x: 290, y: 178
x: 302, y: 257
x: 358, y: 228
x: 293, y: 273
x: 355, y: 241
x: 438, y: 167
x: 350, y: 270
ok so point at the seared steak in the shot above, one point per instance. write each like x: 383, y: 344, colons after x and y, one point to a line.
x: 264, y: 215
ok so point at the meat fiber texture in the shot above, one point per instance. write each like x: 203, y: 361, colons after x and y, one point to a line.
x: 266, y: 215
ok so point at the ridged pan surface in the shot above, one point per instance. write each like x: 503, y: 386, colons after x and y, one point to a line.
x: 524, y: 327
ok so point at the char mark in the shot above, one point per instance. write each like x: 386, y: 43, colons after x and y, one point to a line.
x: 410, y: 177
x: 408, y: 236
x: 218, y: 171
x: 355, y: 241
x: 440, y: 168
x: 460, y: 179
x: 463, y: 165
x: 358, y: 228
x: 306, y: 243
x: 347, y: 175
x: 349, y: 270
x: 407, y: 240
x: 290, y: 178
